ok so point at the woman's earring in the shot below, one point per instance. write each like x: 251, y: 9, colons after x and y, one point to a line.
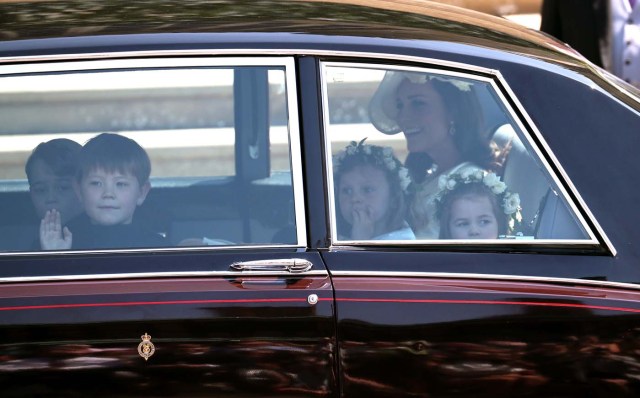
x: 452, y: 129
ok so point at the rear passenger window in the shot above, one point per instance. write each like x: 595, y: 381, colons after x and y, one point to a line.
x: 148, y: 154
x: 422, y: 155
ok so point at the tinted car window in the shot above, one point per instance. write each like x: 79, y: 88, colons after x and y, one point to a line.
x: 421, y: 155
x: 216, y: 136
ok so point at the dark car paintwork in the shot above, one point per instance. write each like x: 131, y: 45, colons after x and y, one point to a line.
x: 213, y: 335
x: 400, y: 328
x: 486, y: 338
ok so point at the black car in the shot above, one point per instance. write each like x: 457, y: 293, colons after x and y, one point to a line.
x: 399, y: 199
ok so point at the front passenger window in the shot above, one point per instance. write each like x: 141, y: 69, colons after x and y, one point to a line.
x: 421, y: 155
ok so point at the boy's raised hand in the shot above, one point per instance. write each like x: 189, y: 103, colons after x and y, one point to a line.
x: 52, y: 235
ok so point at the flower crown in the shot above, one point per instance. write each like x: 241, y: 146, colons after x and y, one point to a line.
x: 422, y: 78
x: 377, y: 155
x: 508, y: 201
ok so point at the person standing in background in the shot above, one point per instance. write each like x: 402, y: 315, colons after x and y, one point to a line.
x: 580, y: 23
x: 622, y: 48
x: 607, y: 32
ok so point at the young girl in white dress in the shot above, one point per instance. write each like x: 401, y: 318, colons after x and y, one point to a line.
x: 475, y: 204
x: 370, y: 186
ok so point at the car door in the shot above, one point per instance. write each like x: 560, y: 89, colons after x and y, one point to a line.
x: 233, y: 302
x: 535, y: 311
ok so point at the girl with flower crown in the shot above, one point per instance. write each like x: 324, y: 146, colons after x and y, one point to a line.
x: 370, y: 185
x: 476, y: 205
x: 441, y: 119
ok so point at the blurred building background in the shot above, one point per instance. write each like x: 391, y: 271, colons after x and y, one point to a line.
x: 524, y: 12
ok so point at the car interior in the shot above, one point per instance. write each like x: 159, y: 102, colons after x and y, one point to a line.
x: 220, y: 148
x: 222, y: 177
x: 545, y: 212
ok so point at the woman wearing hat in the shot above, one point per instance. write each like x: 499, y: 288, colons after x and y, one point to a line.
x: 441, y: 120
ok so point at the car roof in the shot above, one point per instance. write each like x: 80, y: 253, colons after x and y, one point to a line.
x: 404, y: 19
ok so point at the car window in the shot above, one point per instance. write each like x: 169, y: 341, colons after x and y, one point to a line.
x: 424, y: 155
x: 78, y: 140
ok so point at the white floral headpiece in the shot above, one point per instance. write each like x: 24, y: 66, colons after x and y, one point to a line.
x: 509, y: 201
x: 422, y: 78
x: 379, y: 155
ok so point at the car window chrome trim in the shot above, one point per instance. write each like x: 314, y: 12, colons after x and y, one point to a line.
x: 611, y: 80
x: 498, y: 89
x: 160, y: 61
x: 486, y: 277
x: 141, y: 55
x: 295, y: 153
x: 159, y: 275
x: 180, y: 249
x: 503, y: 243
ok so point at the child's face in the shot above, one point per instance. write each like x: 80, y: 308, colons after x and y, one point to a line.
x: 472, y: 217
x: 49, y: 191
x: 364, y: 193
x: 111, y: 198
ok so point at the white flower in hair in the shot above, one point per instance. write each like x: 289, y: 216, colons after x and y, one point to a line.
x: 451, y: 184
x: 381, y: 156
x: 466, y: 174
x: 442, y: 182
x: 511, y: 203
x: 499, y: 187
x: 416, y: 78
x: 493, y: 182
x: 490, y: 179
x: 403, y: 173
x: 458, y: 83
x: 390, y: 163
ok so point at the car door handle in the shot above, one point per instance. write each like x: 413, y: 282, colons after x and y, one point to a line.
x: 292, y: 265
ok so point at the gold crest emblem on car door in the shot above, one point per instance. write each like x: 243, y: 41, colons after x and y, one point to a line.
x: 146, y: 348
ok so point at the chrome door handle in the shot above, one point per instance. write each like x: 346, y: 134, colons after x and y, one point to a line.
x: 292, y: 265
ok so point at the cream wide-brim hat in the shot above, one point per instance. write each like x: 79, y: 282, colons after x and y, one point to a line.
x: 382, y: 107
x: 383, y: 110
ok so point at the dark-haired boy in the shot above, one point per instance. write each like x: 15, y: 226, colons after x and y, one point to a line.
x: 51, y: 170
x: 112, y: 181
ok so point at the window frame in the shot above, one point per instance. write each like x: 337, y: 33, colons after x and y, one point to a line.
x: 597, y: 240
x: 160, y: 61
